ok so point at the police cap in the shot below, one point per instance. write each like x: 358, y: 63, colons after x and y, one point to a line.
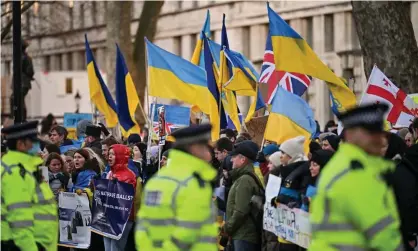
x: 193, y: 134
x: 22, y: 130
x: 94, y: 131
x: 369, y: 117
x: 246, y: 148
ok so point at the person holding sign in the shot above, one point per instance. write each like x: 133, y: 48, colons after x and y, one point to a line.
x: 118, y: 162
x: 176, y: 209
x: 354, y: 207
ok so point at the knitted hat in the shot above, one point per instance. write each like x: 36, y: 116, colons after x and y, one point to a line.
x: 314, y: 146
x: 293, y: 147
x: 333, y: 140
x: 275, y: 159
x: 321, y: 157
x: 134, y: 138
x: 270, y: 149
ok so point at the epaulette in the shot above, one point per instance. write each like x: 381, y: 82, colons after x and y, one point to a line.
x: 355, y: 165
x: 199, y: 180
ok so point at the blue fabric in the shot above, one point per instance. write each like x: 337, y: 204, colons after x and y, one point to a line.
x: 270, y: 149
x: 289, y: 192
x: 83, y: 179
x: 106, y: 171
x: 132, y: 167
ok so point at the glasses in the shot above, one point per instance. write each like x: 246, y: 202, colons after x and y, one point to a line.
x: 407, y: 140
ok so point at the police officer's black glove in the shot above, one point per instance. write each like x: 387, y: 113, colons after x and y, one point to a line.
x: 104, y: 130
x: 261, y: 158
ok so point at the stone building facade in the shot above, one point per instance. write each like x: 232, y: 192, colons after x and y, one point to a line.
x: 58, y: 43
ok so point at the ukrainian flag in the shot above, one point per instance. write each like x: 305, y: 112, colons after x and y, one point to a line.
x: 290, y: 117
x: 229, y: 100
x: 217, y: 115
x: 293, y: 54
x: 126, y: 97
x: 99, y: 94
x: 198, y: 54
x: 173, y: 77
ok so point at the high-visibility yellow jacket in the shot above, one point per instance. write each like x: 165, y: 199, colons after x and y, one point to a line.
x: 355, y: 208
x: 177, y: 212
x: 39, y: 208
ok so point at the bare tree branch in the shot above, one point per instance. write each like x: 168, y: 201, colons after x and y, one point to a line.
x: 8, y: 26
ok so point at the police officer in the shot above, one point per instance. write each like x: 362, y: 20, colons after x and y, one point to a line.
x: 176, y: 211
x: 28, y: 210
x: 354, y: 208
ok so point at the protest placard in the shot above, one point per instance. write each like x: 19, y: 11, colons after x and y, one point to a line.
x: 293, y: 225
x: 71, y: 119
x: 112, y: 204
x: 270, y: 216
x: 256, y: 128
x: 74, y: 220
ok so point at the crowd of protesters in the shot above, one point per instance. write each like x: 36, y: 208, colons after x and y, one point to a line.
x: 242, y: 169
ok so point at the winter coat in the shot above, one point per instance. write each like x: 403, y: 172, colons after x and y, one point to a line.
x: 406, y: 192
x: 292, y: 177
x: 120, y: 170
x: 239, y: 224
x: 96, y: 146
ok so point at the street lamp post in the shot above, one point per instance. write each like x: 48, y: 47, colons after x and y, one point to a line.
x: 77, y: 99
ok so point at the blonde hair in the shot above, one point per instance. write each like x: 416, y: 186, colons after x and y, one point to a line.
x: 99, y: 159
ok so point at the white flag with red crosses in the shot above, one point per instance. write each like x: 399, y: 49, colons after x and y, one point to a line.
x: 402, y: 109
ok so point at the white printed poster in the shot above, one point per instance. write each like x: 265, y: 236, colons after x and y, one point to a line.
x: 74, y: 220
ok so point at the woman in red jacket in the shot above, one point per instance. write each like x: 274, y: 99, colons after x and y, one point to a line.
x: 118, y: 162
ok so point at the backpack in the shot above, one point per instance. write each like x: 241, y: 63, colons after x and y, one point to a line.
x: 257, y: 205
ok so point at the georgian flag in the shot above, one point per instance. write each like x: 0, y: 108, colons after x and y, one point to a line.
x: 402, y: 109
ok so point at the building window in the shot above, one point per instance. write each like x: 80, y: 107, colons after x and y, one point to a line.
x: 82, y: 58
x: 309, y: 31
x: 47, y: 63
x: 193, y: 41
x: 354, y: 36
x: 7, y: 66
x: 329, y: 33
x: 177, y: 46
x: 81, y: 18
x: 94, y: 13
x: 71, y: 17
x: 70, y: 61
x: 28, y: 23
x: 58, y: 67
x: 194, y: 4
x: 68, y: 86
x: 245, y: 41
x: 179, y: 5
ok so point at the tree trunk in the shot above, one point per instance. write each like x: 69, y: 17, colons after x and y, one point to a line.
x: 387, y: 39
x: 147, y: 28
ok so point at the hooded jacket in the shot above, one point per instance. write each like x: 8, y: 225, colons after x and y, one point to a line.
x: 120, y: 171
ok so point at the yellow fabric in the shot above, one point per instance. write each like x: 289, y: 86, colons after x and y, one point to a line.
x: 167, y: 220
x: 359, y: 200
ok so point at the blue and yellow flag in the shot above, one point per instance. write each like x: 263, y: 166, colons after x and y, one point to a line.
x: 126, y: 97
x: 173, y: 77
x: 217, y: 116
x: 293, y: 54
x: 229, y: 100
x: 99, y: 94
x: 198, y: 54
x: 290, y: 117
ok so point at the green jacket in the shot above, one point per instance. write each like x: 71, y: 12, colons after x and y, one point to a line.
x: 239, y: 224
x: 355, y: 208
x: 177, y: 212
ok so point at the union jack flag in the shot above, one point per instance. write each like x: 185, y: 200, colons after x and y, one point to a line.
x: 169, y: 127
x: 293, y: 82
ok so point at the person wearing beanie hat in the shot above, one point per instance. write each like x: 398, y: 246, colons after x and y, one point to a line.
x: 81, y: 128
x: 331, y: 143
x: 313, y: 146
x: 318, y: 161
x: 274, y: 160
x: 270, y: 149
x: 134, y: 138
x: 292, y: 150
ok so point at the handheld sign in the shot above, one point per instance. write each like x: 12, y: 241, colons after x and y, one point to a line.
x: 71, y: 119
